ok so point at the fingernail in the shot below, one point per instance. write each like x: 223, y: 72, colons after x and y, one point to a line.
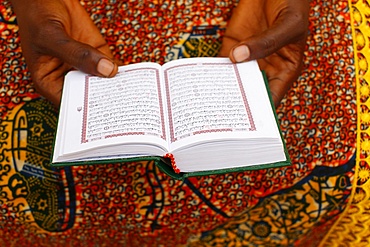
x: 241, y: 53
x: 105, y: 67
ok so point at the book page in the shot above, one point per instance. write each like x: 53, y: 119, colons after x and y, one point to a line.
x: 210, y: 101
x: 107, y: 111
x: 128, y: 104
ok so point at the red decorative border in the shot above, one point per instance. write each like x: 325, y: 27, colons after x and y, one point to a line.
x: 169, y: 109
x: 209, y: 131
x: 247, y: 108
x: 125, y: 134
x: 84, y: 121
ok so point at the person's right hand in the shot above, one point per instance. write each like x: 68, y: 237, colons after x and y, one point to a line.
x: 56, y: 37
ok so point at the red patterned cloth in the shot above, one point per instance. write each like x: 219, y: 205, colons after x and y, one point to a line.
x: 135, y: 204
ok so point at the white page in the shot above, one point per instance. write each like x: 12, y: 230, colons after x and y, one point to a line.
x: 249, y: 117
x: 140, y: 100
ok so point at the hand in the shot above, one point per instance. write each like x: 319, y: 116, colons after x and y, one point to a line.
x: 56, y: 37
x: 273, y: 32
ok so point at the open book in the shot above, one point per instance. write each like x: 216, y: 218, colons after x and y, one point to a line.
x: 207, y: 115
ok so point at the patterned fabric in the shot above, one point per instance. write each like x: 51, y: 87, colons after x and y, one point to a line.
x: 323, y: 193
x: 353, y: 224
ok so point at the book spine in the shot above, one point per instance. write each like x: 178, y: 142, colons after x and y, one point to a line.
x: 173, y: 162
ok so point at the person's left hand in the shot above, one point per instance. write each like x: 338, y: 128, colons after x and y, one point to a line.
x: 273, y: 32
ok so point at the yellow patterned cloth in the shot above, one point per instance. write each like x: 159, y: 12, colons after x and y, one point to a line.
x: 352, y: 226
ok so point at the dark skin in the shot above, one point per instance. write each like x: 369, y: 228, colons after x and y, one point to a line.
x: 273, y: 32
x: 58, y: 35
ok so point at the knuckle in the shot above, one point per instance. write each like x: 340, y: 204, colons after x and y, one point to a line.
x: 300, y: 23
x: 45, y: 36
x: 268, y: 46
x: 269, y: 43
x: 81, y: 53
x: 39, y: 78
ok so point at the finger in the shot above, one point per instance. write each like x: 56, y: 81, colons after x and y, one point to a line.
x: 82, y: 56
x: 53, y: 40
x: 281, y: 73
x: 77, y: 55
x: 290, y: 26
x: 48, y: 77
x: 67, y: 33
x: 84, y: 30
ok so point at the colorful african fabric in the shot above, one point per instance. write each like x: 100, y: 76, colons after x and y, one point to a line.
x: 352, y: 226
x: 323, y: 199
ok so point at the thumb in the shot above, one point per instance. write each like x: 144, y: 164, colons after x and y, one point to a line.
x: 92, y: 56
x: 87, y: 58
x: 287, y: 29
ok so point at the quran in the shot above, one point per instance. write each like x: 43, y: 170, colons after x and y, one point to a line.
x: 193, y: 116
